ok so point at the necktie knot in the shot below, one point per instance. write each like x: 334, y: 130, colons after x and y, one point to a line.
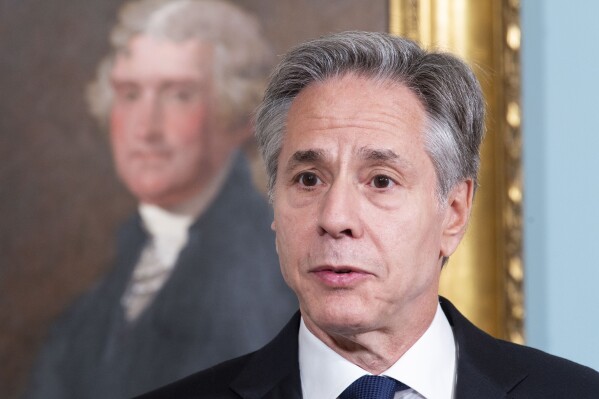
x: 372, y: 387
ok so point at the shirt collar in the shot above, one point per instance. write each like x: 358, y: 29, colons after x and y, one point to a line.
x: 428, y: 366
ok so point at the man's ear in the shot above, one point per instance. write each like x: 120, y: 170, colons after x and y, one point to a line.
x: 273, y: 227
x: 457, y: 214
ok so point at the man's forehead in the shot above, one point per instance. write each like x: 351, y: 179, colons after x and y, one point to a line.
x: 368, y: 153
x: 348, y: 79
x: 148, y: 55
x: 149, y: 40
x: 362, y: 110
x: 354, y: 98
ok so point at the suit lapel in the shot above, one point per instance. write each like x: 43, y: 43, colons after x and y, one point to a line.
x: 273, y: 371
x: 484, y: 370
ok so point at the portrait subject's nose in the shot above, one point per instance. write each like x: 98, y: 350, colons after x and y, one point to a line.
x: 149, y: 118
x: 340, y: 211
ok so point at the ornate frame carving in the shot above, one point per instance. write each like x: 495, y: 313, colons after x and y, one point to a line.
x: 485, y: 276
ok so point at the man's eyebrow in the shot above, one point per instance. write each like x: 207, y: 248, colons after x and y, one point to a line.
x: 374, y: 154
x: 123, y: 82
x: 184, y: 81
x: 305, y: 156
x: 166, y: 82
x: 382, y: 155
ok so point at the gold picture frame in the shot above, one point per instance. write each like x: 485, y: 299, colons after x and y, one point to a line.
x: 484, y: 278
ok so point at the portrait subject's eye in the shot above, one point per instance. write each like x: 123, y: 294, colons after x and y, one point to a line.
x: 184, y: 95
x: 127, y: 93
x: 180, y: 94
x: 382, y: 181
x: 308, y: 179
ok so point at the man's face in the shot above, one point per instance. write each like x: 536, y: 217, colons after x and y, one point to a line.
x: 166, y: 143
x: 359, y: 228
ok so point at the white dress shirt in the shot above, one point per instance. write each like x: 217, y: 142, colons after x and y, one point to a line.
x: 428, y: 367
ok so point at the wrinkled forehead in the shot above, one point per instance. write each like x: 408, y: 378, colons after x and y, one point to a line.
x: 355, y: 90
x: 356, y: 112
x: 354, y: 102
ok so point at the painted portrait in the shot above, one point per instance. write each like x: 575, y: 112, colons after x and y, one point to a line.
x: 74, y: 174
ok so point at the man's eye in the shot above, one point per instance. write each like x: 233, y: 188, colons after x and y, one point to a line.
x: 180, y: 95
x: 382, y: 181
x: 184, y: 95
x: 308, y: 179
x: 128, y: 95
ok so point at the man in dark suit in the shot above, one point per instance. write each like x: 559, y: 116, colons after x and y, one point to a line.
x: 372, y: 151
x: 196, y: 279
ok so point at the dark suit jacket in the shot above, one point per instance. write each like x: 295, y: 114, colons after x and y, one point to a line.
x: 487, y: 368
x: 225, y: 298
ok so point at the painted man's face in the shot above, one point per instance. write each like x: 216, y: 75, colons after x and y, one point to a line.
x: 166, y: 141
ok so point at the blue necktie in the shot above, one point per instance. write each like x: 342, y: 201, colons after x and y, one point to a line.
x: 372, y: 387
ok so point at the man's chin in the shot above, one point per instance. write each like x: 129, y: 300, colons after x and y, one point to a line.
x: 155, y: 194
x: 340, y: 318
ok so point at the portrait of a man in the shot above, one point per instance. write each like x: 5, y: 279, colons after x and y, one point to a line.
x: 196, y: 279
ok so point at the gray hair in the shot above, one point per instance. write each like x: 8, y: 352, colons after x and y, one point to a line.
x: 446, y: 86
x: 243, y: 57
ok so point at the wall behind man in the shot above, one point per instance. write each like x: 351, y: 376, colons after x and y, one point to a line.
x: 560, y: 55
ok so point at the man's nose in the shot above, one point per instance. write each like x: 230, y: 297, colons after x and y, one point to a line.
x: 340, y: 211
x: 149, y: 118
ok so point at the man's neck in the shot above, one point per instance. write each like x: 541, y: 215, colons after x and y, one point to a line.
x: 378, y: 349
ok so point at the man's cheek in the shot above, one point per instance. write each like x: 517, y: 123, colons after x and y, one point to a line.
x: 118, y: 120
x: 186, y: 127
